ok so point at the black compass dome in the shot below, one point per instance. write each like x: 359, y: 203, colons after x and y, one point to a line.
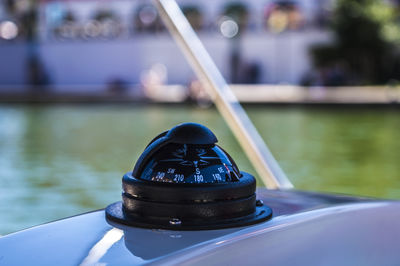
x: 183, y: 180
x: 191, y: 133
x: 186, y: 154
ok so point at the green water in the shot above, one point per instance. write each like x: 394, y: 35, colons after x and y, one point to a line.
x: 57, y: 161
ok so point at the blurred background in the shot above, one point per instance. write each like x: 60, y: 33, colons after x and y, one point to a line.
x: 85, y: 85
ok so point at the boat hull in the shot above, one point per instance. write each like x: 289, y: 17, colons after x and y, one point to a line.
x: 306, y: 229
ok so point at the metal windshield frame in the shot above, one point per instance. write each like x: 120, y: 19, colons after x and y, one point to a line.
x: 235, y: 116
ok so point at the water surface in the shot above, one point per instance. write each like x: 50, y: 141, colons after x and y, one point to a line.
x: 57, y: 161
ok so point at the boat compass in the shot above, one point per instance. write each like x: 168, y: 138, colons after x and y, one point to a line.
x: 184, y: 181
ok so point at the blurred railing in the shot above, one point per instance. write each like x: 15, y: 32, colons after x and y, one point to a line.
x: 247, y: 94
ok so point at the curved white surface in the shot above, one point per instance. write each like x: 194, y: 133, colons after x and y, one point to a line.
x: 356, y: 234
x: 363, y: 233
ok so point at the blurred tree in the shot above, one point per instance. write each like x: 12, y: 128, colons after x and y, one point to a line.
x: 194, y: 16
x: 104, y: 14
x: 146, y: 19
x: 26, y: 14
x: 10, y: 5
x: 366, y: 42
x: 238, y: 12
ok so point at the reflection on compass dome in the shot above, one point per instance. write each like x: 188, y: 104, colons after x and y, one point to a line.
x: 185, y: 163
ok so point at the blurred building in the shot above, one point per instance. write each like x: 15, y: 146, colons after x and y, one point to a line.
x: 93, y: 42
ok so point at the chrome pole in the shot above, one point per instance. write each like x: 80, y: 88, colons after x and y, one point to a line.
x: 223, y: 97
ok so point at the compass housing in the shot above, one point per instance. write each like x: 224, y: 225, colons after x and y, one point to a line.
x: 184, y: 181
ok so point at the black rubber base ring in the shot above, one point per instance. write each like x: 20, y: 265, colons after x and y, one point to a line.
x: 115, y: 213
x: 172, y: 192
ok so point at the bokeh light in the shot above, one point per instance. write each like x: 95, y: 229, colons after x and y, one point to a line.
x: 92, y: 29
x: 229, y: 28
x: 278, y: 21
x: 8, y: 30
x: 148, y: 15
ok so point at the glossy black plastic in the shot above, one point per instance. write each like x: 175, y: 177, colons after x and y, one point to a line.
x: 184, y: 181
x: 185, y: 134
x: 171, y: 192
x: 116, y: 213
x: 190, y: 163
